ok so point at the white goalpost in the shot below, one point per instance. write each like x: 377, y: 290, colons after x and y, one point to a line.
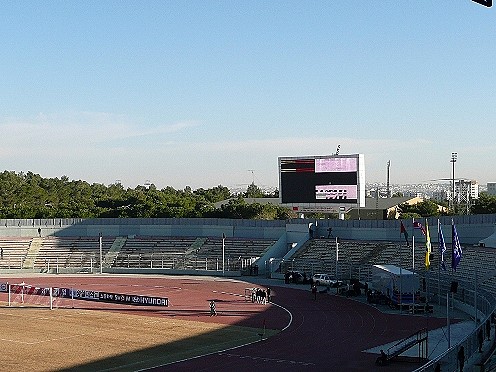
x: 25, y: 295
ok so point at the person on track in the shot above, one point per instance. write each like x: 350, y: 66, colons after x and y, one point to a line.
x: 213, y: 312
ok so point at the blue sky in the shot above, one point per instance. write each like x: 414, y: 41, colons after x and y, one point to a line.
x: 202, y: 93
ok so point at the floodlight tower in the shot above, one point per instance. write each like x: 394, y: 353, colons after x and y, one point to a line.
x: 388, y: 192
x: 454, y: 156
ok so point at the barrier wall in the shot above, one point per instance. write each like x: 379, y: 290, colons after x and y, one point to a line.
x: 470, y: 229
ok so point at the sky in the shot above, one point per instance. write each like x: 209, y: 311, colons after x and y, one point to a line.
x: 211, y: 92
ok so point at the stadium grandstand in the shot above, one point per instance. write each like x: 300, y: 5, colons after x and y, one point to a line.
x: 346, y: 249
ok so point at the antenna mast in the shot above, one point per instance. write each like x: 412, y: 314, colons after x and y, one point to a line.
x: 252, y: 175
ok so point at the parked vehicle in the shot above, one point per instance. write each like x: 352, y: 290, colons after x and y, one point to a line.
x: 294, y: 277
x: 326, y: 280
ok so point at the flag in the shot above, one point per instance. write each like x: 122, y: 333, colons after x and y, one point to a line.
x: 403, y: 231
x: 456, y: 254
x: 442, y: 245
x: 418, y: 225
x: 428, y: 247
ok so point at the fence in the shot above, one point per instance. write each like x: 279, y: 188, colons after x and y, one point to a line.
x: 483, y: 304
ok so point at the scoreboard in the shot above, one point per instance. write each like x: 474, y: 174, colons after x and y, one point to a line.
x: 322, y: 183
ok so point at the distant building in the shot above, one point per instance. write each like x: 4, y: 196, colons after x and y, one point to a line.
x: 441, y: 195
x: 491, y: 188
x: 465, y: 192
x: 381, y: 208
x: 414, y: 194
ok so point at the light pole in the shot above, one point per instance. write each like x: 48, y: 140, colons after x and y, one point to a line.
x: 454, y: 155
x: 337, y: 256
x: 101, y: 253
x: 223, y: 252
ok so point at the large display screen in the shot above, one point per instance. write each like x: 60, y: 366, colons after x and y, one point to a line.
x: 321, y: 180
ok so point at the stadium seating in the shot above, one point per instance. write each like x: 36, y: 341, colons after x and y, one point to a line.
x: 75, y: 252
x: 316, y: 256
x: 14, y: 252
x: 356, y: 257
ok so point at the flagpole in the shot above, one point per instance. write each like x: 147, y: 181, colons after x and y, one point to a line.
x: 427, y: 253
x: 401, y: 281
x: 439, y: 264
x: 413, y: 252
x: 413, y: 246
x: 451, y: 280
x: 447, y: 320
x: 475, y: 299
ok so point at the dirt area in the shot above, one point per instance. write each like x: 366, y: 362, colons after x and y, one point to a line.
x: 89, y: 340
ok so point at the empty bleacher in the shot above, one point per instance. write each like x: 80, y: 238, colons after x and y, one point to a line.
x: 154, y: 251
x: 14, y: 251
x: 355, y: 257
x: 238, y: 253
x: 74, y: 252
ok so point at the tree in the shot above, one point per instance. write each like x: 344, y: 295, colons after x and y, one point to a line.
x: 28, y: 195
x: 484, y: 204
x: 425, y: 208
x: 253, y: 191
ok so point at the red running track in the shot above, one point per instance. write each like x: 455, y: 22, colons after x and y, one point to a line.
x: 327, y: 334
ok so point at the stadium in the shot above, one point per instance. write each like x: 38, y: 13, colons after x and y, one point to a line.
x: 157, y: 294
x: 190, y: 262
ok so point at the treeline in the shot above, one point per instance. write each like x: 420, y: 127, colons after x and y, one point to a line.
x: 484, y: 204
x: 28, y: 195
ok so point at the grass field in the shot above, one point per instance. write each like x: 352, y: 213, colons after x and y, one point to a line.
x: 39, y: 339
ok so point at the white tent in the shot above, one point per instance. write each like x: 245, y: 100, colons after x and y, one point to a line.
x: 490, y: 241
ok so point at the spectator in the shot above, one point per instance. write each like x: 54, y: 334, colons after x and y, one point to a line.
x: 383, y: 356
x: 382, y: 359
x: 480, y: 339
x: 212, y: 308
x: 488, y: 329
x: 461, y: 358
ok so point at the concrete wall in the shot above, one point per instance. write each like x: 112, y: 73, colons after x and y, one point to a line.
x: 145, y: 227
x: 470, y: 229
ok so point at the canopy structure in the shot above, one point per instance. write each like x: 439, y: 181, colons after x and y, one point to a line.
x: 490, y: 241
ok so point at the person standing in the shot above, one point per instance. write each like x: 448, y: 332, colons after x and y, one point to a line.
x: 268, y: 294
x: 488, y: 329
x: 480, y: 339
x: 212, y: 308
x: 461, y: 358
x: 314, y: 291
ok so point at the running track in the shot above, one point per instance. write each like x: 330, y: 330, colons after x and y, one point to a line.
x: 327, y: 334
